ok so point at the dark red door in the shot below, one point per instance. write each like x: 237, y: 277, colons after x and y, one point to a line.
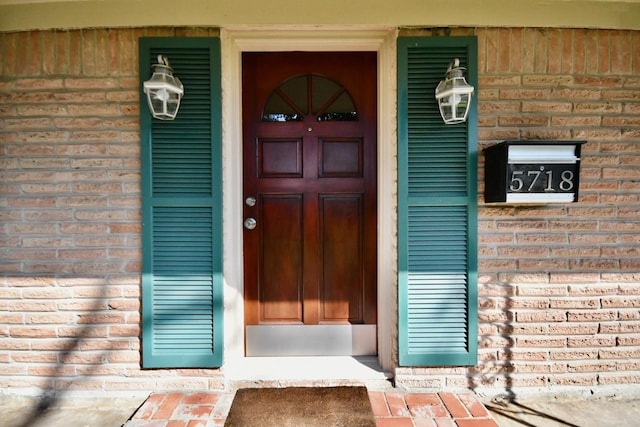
x: 309, y: 153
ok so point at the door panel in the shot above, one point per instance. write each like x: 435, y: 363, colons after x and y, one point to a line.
x: 281, y: 256
x: 309, y: 158
x: 342, y: 284
x: 279, y: 158
x: 340, y: 158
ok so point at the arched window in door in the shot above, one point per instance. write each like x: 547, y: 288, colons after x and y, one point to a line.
x: 309, y: 95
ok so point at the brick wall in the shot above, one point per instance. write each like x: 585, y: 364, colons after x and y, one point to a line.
x: 70, y: 237
x: 559, y: 284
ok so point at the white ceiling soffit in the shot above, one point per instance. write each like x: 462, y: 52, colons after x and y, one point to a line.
x: 18, y: 15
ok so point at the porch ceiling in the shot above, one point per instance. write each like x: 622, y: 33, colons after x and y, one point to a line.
x: 18, y: 15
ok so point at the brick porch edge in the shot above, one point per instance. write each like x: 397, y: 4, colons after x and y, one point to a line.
x: 390, y: 408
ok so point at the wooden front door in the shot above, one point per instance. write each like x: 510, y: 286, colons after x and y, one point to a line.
x: 309, y: 153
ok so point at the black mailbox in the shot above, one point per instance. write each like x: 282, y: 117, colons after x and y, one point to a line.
x: 532, y: 172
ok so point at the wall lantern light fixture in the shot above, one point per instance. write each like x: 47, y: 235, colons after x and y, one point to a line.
x: 454, y: 95
x: 164, y: 91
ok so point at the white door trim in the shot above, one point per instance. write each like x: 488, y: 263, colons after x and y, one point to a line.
x: 236, y: 40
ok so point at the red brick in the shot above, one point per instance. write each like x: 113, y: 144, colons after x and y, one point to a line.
x: 578, y: 53
x: 201, y: 399
x: 82, y: 150
x: 542, y: 342
x: 504, y: 54
x: 454, y: 405
x: 630, y: 314
x: 573, y: 354
x: 587, y: 303
x: 9, y: 60
x: 573, y: 328
x: 618, y: 378
x: 555, y: 51
x: 28, y: 123
x: 477, y: 423
x: 167, y: 406
x: 546, y: 106
x: 52, y: 371
x: 40, y: 84
x: 49, y: 318
x: 379, y: 404
x: 14, y: 344
x: 424, y: 422
x: 394, y: 422
x: 541, y: 316
x: 633, y: 365
x: 575, y: 252
x: 473, y: 404
x: 35, y: 53
x: 621, y: 53
x: 94, y: 110
x: 567, y: 51
x: 91, y: 83
x: 125, y: 228
x: 103, y: 57
x: 619, y: 353
x: 61, y: 49
x: 628, y: 341
x: 598, y: 107
x: 541, y: 53
x: 620, y: 302
x: 529, y: 42
x: 599, y: 366
x: 42, y: 110
x: 193, y: 411
x: 100, y: 318
x: 524, y: 94
x: 536, y: 290
x: 574, y: 380
x: 127, y: 53
x: 591, y: 315
x: 495, y: 316
x: 546, y: 133
x: 425, y: 405
x: 397, y: 405
x: 149, y: 407
x: 575, y: 121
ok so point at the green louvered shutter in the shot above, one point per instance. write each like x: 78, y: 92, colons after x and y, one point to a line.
x: 437, y: 209
x: 182, y: 211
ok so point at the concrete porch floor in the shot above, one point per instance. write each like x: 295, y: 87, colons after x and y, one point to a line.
x: 391, y: 407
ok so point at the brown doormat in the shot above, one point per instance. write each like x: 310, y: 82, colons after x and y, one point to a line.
x: 301, y: 407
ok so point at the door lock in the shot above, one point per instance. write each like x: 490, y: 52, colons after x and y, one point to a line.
x: 250, y: 201
x: 250, y: 223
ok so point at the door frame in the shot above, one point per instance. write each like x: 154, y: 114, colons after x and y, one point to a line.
x: 235, y: 41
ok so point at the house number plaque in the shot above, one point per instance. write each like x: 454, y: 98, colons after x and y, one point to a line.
x: 532, y: 172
